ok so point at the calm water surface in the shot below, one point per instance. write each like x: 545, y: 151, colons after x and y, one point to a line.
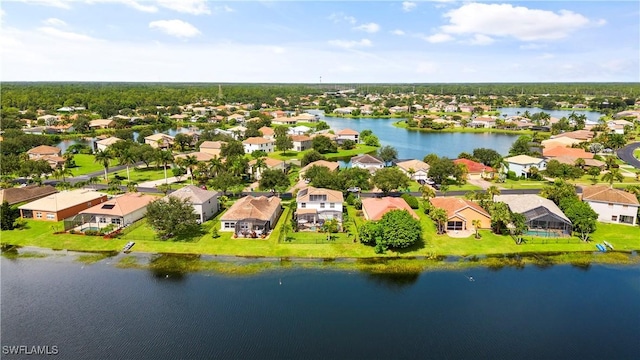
x: 100, y: 312
x: 416, y: 144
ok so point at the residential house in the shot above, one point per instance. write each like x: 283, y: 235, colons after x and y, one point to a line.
x: 475, y: 169
x: 270, y: 164
x: 521, y: 164
x: 368, y: 162
x: 374, y: 208
x: 331, y: 165
x: 461, y: 213
x: 267, y: 133
x: 212, y: 147
x: 347, y: 134
x: 120, y: 211
x: 299, y: 130
x: 543, y: 217
x: 563, y: 141
x: 49, y: 119
x: 62, y: 205
x: 483, y: 122
x: 416, y: 170
x: 316, y: 205
x: 159, y: 141
x: 558, y: 151
x: 205, y: 203
x: 617, y: 126
x: 199, y: 155
x: 101, y: 124
x: 258, y: 143
x: 301, y: 142
x: 238, y: 118
x: 50, y: 154
x: 102, y: 145
x: 310, y: 118
x: 237, y: 132
x: 284, y: 121
x: 581, y: 135
x: 178, y: 117
x: 612, y: 205
x: 19, y: 195
x: 252, y: 216
x: 344, y: 110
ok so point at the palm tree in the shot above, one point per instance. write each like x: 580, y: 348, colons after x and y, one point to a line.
x: 60, y: 172
x: 215, y: 166
x: 411, y: 172
x: 579, y: 163
x: 428, y: 192
x: 259, y: 166
x: 132, y: 186
x: 492, y: 191
x: 440, y: 217
x: 443, y: 189
x: 104, y: 157
x: 164, y: 157
x: 613, y: 175
x: 189, y: 162
x: 92, y: 180
x: 127, y: 158
x: 476, y: 224
x: 610, y: 161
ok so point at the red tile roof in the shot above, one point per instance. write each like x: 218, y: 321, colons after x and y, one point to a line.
x: 375, y: 208
x: 473, y: 166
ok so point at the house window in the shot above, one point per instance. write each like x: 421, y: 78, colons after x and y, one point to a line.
x: 115, y: 221
x: 50, y: 216
x: 102, y: 220
x: 321, y: 205
x: 614, y: 217
x: 303, y: 205
x: 38, y: 215
x: 332, y: 205
x: 626, y: 219
x: 229, y: 225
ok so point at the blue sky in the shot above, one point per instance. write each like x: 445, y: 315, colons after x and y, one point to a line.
x: 301, y: 41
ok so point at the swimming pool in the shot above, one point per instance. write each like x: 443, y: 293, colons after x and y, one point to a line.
x: 542, y: 233
x: 94, y: 228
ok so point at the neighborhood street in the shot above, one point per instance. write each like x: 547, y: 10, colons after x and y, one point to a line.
x: 626, y: 154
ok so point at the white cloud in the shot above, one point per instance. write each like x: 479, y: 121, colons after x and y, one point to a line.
x: 349, y: 44
x: 193, y: 7
x: 61, y: 4
x: 438, y: 38
x: 507, y: 20
x: 134, y: 4
x: 177, y: 28
x: 398, y: 32
x: 480, y: 39
x: 532, y: 46
x: 54, y: 22
x: 370, y: 28
x: 408, y: 6
x: 65, y: 35
x: 546, y: 56
x: 342, y: 17
x: 224, y: 8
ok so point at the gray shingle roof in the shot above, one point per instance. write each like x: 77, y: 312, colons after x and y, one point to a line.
x: 523, y: 203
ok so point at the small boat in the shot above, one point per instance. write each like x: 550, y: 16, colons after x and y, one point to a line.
x: 128, y: 247
x: 608, y: 245
x: 601, y: 247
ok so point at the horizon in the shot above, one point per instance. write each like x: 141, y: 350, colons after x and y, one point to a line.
x: 319, y: 43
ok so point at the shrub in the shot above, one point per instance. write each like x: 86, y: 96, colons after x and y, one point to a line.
x: 512, y: 176
x: 350, y: 199
x: 411, y: 201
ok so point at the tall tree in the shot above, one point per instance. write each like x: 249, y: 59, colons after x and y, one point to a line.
x: 164, y: 158
x: 283, y: 141
x: 189, y: 162
x: 390, y: 178
x: 477, y: 224
x: 104, y: 157
x: 172, y: 217
x: 388, y: 153
x: 127, y: 158
x: 612, y: 176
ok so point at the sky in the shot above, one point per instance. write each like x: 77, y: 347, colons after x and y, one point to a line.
x: 320, y: 41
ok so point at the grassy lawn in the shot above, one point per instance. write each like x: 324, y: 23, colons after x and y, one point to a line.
x: 359, y: 149
x: 523, y: 184
x: 87, y: 164
x: 465, y: 187
x: 144, y: 174
x: 302, y: 244
x: 636, y: 153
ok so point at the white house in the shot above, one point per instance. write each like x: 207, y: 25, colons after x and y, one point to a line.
x: 258, y: 143
x: 417, y: 170
x: 205, y: 203
x: 236, y: 132
x: 521, y: 164
x: 301, y: 142
x: 251, y: 216
x: 159, y: 141
x: 103, y: 144
x: 316, y: 205
x: 299, y: 130
x: 347, y: 134
x: 367, y: 162
x: 270, y: 164
x: 612, y: 205
x: 120, y: 211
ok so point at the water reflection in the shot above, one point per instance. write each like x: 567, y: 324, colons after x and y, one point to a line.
x: 393, y: 281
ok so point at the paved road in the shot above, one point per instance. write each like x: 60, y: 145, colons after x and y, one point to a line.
x: 626, y: 154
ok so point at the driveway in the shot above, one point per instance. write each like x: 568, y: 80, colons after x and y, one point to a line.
x: 626, y: 154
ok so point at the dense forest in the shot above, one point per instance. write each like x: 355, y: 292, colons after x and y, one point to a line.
x: 108, y: 98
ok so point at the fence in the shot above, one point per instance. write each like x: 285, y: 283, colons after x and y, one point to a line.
x: 530, y: 240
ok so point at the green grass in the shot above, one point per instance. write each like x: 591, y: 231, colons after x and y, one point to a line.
x: 144, y: 174
x: 39, y: 233
x: 636, y: 153
x: 359, y: 149
x: 403, y: 125
x: 523, y: 184
x: 87, y: 164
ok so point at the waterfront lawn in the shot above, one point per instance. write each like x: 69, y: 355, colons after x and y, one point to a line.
x: 522, y: 184
x: 87, y: 164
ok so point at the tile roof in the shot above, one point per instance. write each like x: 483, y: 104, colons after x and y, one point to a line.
x: 366, y: 159
x: 347, y: 132
x: 524, y: 160
x: 266, y: 131
x: 332, y: 195
x: 108, y: 141
x: 300, y: 138
x: 200, y: 156
x: 194, y: 194
x: 271, y: 163
x: 566, y: 151
x: 158, y: 136
x: 28, y: 193
x: 123, y: 205
x: 526, y: 202
x: 63, y: 200
x: 44, y: 150
x: 603, y: 193
x: 416, y: 165
x: 249, y: 207
x: 257, y: 140
x: 453, y: 205
x: 473, y: 166
x: 212, y: 144
x: 331, y: 165
x: 375, y: 208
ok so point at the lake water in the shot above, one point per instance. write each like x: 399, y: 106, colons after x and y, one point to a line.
x: 417, y: 144
x: 101, y: 312
x: 592, y: 116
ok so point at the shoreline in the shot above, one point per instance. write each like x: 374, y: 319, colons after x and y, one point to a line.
x: 401, y: 125
x: 250, y: 265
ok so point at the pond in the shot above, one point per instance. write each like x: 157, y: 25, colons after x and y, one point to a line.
x: 101, y: 312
